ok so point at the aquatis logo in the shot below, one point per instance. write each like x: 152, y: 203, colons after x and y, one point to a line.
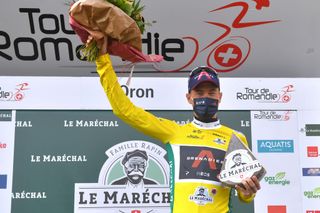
x: 277, y: 146
x: 134, y: 179
x: 18, y: 94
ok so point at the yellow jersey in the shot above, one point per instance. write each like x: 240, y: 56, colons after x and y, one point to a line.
x: 196, y: 150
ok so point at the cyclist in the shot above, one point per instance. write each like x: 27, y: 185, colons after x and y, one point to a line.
x: 195, y: 150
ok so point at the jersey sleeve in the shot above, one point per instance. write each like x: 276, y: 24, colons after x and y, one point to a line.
x: 138, y: 118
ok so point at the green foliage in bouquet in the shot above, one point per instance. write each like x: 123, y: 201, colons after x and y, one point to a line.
x: 132, y: 9
x: 89, y: 52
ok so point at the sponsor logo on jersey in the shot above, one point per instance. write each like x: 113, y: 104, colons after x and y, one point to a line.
x: 200, y: 163
x: 201, y: 196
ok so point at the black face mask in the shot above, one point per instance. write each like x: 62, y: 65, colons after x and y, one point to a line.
x: 205, y: 109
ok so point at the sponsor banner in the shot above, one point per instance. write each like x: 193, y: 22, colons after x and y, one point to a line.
x: 86, y: 156
x: 5, y: 116
x: 275, y: 146
x: 309, y: 127
x: 309, y: 123
x: 39, y: 93
x: 311, y: 171
x: 313, y: 193
x: 272, y: 115
x: 263, y: 94
x: 312, y: 151
x: 279, y: 179
x: 284, y: 175
x: 152, y: 93
x: 312, y: 129
x: 277, y: 209
x: 233, y: 37
x: 99, y: 198
x: 135, y: 188
x: 7, y: 127
x: 3, y: 181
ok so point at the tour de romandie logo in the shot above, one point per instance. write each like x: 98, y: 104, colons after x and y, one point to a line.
x: 134, y: 179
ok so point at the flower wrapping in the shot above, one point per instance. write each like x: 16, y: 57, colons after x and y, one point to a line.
x: 115, y: 32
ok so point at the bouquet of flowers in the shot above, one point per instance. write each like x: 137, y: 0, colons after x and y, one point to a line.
x: 115, y: 25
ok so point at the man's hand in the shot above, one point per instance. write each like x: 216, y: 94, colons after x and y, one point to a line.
x: 101, y: 43
x: 89, y: 40
x: 249, y: 186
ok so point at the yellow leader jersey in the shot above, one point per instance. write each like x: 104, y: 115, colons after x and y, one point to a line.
x: 196, y: 150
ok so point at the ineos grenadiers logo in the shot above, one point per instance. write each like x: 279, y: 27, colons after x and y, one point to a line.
x: 135, y: 177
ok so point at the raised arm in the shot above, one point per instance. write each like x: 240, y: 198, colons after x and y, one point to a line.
x: 161, y: 129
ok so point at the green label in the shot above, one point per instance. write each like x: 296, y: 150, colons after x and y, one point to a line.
x: 312, y: 129
x: 5, y: 115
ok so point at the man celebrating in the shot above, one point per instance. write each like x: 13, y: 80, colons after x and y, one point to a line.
x: 196, y: 150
